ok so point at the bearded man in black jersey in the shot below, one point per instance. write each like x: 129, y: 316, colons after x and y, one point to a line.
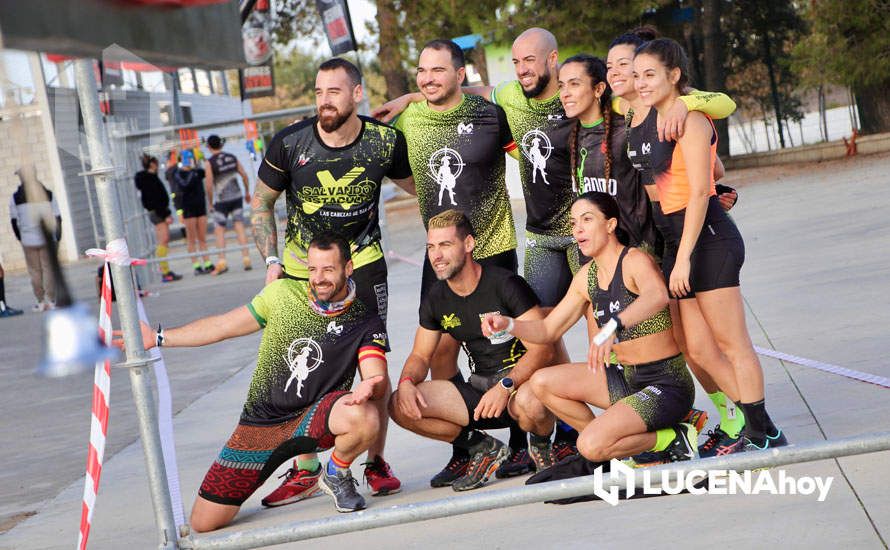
x: 331, y: 168
x: 495, y: 396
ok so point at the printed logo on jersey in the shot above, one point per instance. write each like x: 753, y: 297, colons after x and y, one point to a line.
x: 517, y: 350
x: 646, y: 148
x: 464, y: 128
x: 599, y: 184
x: 303, y: 160
x: 501, y: 338
x: 555, y: 116
x: 379, y: 338
x: 303, y: 356
x: 445, y: 166
x: 334, y: 328
x: 536, y: 147
x: 614, y: 306
x: 450, y: 321
x: 344, y: 191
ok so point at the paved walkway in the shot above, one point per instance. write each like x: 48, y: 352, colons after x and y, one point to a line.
x: 816, y: 285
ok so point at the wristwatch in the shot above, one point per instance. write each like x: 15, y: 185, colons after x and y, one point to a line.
x: 273, y: 260
x: 507, y: 383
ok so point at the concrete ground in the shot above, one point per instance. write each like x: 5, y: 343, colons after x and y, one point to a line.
x: 815, y: 282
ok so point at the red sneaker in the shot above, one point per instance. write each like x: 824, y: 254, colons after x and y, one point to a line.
x: 297, y: 485
x: 379, y: 476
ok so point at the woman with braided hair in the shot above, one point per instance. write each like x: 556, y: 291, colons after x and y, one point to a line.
x: 597, y: 146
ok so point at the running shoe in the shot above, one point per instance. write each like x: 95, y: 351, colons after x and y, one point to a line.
x: 720, y: 443
x: 220, y: 268
x: 169, y: 277
x: 10, y: 312
x: 518, y: 463
x: 455, y: 469
x: 562, y: 450
x: 697, y: 418
x: 485, y: 458
x: 342, y: 488
x: 541, y: 455
x: 379, y: 477
x: 297, y: 485
x: 247, y: 265
x: 771, y: 442
x: 39, y: 306
x: 647, y: 459
x: 683, y: 446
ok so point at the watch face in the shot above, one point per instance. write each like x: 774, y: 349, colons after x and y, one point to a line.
x: 507, y: 382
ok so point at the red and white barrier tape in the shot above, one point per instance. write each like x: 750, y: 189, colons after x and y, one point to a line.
x: 99, y: 420
x: 825, y: 367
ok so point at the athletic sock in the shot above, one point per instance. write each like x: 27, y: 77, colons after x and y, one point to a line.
x: 734, y: 422
x: 758, y: 422
x: 663, y: 439
x: 161, y: 252
x: 458, y: 453
x: 539, y: 440
x: 196, y: 265
x: 336, y: 464
x: 468, y: 438
x: 517, y: 438
x: 208, y: 264
x: 565, y: 433
x: 718, y: 398
x: 310, y: 465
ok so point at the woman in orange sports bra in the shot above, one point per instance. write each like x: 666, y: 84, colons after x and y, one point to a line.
x: 704, y: 250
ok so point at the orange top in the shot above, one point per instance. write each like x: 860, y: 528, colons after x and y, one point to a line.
x: 673, y: 181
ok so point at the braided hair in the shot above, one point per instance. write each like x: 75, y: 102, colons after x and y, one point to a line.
x: 596, y: 70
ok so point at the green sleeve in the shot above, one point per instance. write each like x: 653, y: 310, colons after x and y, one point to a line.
x: 259, y: 306
x: 716, y: 105
x: 497, y: 93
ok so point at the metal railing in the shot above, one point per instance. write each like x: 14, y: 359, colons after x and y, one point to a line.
x: 517, y: 496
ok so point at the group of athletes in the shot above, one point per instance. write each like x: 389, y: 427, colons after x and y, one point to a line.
x: 624, y: 226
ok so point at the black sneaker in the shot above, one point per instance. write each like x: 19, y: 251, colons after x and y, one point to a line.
x: 485, y: 458
x: 455, y: 468
x: 683, y: 446
x: 170, y: 277
x: 648, y: 458
x: 518, y: 463
x: 562, y: 450
x: 342, y: 487
x: 770, y: 442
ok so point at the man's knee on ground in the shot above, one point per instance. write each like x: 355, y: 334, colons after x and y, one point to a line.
x: 207, y: 516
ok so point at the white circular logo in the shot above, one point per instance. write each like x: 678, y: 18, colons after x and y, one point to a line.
x: 445, y: 166
x: 303, y: 356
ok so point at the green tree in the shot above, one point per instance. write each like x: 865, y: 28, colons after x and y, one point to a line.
x: 850, y: 45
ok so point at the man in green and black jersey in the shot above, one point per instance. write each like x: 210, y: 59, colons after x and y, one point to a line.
x: 456, y: 144
x: 496, y: 393
x: 330, y: 168
x: 299, y: 400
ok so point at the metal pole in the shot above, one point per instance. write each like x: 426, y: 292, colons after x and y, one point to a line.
x: 109, y: 209
x: 489, y: 500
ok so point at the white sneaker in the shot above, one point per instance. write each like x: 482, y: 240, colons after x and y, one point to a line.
x: 38, y: 307
x: 49, y: 305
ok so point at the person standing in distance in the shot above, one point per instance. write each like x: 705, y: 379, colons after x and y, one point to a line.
x: 222, y: 171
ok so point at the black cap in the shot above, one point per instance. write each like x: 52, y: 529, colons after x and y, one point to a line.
x: 214, y: 142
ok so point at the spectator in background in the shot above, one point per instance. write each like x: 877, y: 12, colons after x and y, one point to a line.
x: 31, y: 203
x: 222, y: 170
x: 5, y: 310
x: 156, y: 200
x: 189, y: 184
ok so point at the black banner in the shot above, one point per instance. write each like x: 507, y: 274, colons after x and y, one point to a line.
x: 257, y: 81
x: 337, y: 25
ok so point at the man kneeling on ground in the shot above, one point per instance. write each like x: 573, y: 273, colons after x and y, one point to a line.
x: 299, y: 399
x: 495, y: 396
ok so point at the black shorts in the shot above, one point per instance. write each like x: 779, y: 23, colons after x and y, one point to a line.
x: 194, y: 210
x: 222, y: 211
x: 550, y: 263
x: 471, y: 397
x: 661, y: 392
x: 507, y: 260
x: 718, y: 255
x: 157, y: 217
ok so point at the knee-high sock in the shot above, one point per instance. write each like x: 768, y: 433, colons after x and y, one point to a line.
x: 161, y: 252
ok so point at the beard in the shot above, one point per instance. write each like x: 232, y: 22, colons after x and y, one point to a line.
x: 330, y: 119
x: 328, y: 293
x: 539, y: 86
x: 453, y: 269
x: 446, y: 95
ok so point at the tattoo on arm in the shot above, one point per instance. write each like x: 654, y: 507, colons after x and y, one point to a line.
x: 265, y: 234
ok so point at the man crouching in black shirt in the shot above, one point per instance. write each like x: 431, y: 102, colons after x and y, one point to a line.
x: 495, y: 395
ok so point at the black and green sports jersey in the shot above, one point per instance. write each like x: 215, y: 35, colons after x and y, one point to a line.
x: 541, y: 132
x: 333, y: 188
x: 499, y: 291
x: 304, y: 355
x: 457, y: 157
x: 624, y: 183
